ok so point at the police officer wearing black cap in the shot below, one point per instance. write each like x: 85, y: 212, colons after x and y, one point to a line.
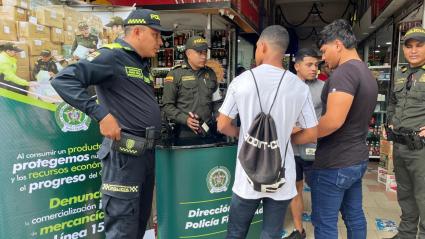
x: 117, y: 26
x: 406, y: 116
x: 128, y: 116
x: 45, y: 63
x: 188, y: 90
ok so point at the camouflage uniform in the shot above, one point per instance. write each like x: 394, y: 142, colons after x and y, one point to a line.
x: 406, y: 111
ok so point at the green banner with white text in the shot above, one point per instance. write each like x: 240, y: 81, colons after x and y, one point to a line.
x: 49, y: 170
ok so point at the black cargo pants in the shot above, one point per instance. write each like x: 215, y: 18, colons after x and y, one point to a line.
x: 127, y: 190
x: 409, y: 167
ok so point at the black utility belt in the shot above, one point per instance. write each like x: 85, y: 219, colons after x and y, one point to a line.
x: 412, y: 140
x: 133, y: 145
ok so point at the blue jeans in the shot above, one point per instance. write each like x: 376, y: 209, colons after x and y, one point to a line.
x: 334, y: 190
x: 242, y: 211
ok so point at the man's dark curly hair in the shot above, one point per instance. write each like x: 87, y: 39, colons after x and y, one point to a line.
x: 339, y: 29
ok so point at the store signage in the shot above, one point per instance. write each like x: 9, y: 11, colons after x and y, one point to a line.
x: 159, y: 2
x: 194, y: 193
x: 50, y: 176
x: 249, y: 9
x: 378, y: 6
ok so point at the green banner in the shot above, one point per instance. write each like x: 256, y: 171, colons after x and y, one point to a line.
x: 194, y: 192
x: 49, y: 170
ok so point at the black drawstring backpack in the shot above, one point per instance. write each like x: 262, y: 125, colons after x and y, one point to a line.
x: 260, y: 152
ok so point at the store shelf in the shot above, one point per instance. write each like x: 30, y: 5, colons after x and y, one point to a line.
x: 374, y: 157
x: 379, y: 67
x: 161, y: 68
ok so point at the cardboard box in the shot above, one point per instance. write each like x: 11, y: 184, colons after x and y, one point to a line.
x: 37, y: 45
x: 70, y: 26
x: 391, y: 184
x: 27, y: 30
x: 8, y: 30
x: 24, y: 74
x: 49, y: 17
x: 382, y: 175
x: 13, y: 13
x: 386, y: 156
x: 16, y: 3
x: 68, y: 38
x: 32, y: 61
x: 56, y: 49
x: 56, y: 35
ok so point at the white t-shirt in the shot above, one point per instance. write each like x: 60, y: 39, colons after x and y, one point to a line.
x: 293, y: 105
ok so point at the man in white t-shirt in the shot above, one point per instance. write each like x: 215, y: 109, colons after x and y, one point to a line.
x: 293, y: 105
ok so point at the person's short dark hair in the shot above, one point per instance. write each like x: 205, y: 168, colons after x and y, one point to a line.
x: 45, y: 53
x: 276, y: 35
x: 339, y: 29
x: 322, y: 64
x: 240, y: 70
x: 305, y: 52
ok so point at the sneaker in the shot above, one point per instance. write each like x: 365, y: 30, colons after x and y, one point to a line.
x: 296, y: 235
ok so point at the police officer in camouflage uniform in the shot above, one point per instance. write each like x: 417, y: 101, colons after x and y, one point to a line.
x: 117, y: 26
x: 407, y: 119
x: 45, y: 63
x: 128, y: 116
x: 188, y: 90
x: 85, y: 38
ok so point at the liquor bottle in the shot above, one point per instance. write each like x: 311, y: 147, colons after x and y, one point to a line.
x: 176, y: 40
x: 223, y: 39
x: 169, y: 61
x: 218, y: 39
x: 214, y: 41
x: 203, y: 128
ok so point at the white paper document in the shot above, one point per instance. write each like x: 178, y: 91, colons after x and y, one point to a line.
x: 81, y: 52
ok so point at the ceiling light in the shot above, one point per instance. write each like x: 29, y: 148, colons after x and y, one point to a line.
x: 365, y: 33
x: 371, y: 26
x: 379, y: 45
x: 377, y: 51
x: 388, y: 43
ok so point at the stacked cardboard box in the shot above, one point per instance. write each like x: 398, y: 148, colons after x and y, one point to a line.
x: 13, y: 13
x: 41, y: 28
x: 8, y: 30
x: 15, y: 3
x: 28, y: 31
x: 57, y: 35
x: 49, y: 17
x: 386, y: 155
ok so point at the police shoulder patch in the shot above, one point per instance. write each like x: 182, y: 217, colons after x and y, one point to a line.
x: 169, y: 79
x: 403, y: 69
x: 93, y: 55
x: 176, y: 66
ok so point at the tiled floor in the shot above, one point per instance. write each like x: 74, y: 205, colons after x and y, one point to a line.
x: 377, y: 204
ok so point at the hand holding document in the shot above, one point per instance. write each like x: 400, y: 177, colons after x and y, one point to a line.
x: 81, y: 52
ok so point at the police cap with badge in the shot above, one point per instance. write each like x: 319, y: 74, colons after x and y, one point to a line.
x: 417, y: 33
x: 197, y: 43
x: 145, y: 17
x: 115, y: 21
x: 45, y: 53
x: 10, y: 47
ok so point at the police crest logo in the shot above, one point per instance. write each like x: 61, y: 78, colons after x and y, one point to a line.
x: 70, y: 119
x: 218, y: 179
x: 130, y: 143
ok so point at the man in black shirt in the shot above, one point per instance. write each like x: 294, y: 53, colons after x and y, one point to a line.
x: 349, y: 98
x: 127, y: 112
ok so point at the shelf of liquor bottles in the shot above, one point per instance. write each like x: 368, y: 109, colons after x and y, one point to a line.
x: 373, y: 138
x: 173, y: 53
